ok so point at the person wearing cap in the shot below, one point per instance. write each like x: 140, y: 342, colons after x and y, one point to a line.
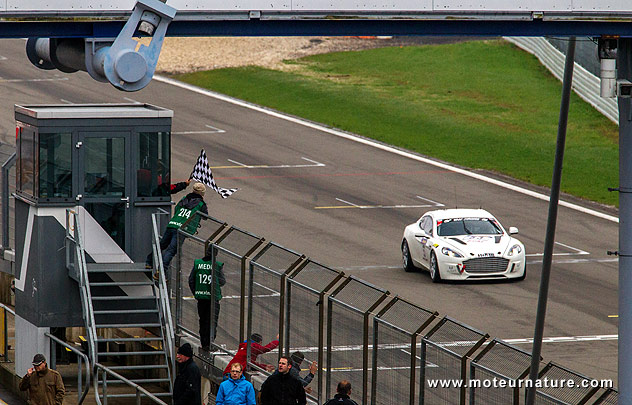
x: 187, y: 388
x: 186, y: 209
x: 45, y: 386
x: 200, y: 285
x: 256, y: 348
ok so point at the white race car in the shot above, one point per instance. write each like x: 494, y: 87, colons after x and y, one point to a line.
x: 463, y: 244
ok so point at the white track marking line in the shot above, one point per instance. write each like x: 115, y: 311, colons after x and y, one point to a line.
x: 63, y: 100
x: 238, y: 163
x: 313, y: 161
x: 193, y: 132
x: 571, y: 261
x: 348, y: 203
x: 3, y: 57
x: 275, y: 292
x: 32, y: 80
x: 131, y: 100
x: 387, y: 148
x: 436, y: 204
x: 577, y: 251
x: 192, y: 298
x: 215, y: 129
x: 351, y: 205
x: 245, y: 166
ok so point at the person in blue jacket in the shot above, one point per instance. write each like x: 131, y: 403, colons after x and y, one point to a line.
x: 236, y: 390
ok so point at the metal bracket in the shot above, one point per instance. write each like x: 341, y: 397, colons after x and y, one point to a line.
x: 128, y: 65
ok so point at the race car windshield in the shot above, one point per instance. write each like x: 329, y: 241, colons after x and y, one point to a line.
x: 468, y: 226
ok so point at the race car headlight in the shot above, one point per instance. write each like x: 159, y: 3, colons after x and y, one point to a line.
x: 451, y: 253
x: 515, y: 250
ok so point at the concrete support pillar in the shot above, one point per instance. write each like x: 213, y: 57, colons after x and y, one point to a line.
x: 29, y: 340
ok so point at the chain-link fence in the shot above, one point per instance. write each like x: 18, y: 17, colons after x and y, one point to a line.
x: 354, y: 330
x: 609, y: 397
x: 558, y: 391
x: 305, y: 315
x: 444, y: 353
x: 348, y: 331
x: 396, y: 336
x: 266, y: 290
x: 498, y: 361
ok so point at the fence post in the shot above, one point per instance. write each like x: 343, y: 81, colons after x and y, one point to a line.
x: 5, y: 338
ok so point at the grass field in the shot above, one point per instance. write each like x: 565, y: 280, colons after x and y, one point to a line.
x: 481, y: 104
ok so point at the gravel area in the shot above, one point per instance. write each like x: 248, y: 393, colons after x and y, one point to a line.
x: 181, y: 55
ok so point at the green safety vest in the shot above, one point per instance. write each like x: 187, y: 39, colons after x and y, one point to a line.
x: 182, y: 215
x: 203, y: 275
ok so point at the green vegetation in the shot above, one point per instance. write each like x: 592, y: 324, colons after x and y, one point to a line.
x: 484, y: 105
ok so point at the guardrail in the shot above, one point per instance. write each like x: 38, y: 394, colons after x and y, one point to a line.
x: 140, y: 391
x: 585, y: 84
x: 6, y: 194
x: 80, y: 357
x: 78, y: 271
x: 165, y: 306
x: 388, y: 348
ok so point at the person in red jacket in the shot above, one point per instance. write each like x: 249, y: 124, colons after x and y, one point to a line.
x: 255, y: 350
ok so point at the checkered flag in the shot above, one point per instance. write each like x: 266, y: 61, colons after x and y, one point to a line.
x: 202, y: 173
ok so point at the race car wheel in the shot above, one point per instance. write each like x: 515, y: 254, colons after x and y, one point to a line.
x: 407, y: 261
x: 434, y: 269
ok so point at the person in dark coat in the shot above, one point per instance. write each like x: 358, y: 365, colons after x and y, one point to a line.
x: 45, y: 386
x: 187, y: 389
x: 296, y: 359
x: 342, y: 397
x: 186, y: 208
x: 281, y: 388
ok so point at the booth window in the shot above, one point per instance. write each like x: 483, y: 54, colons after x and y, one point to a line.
x: 55, y: 165
x: 104, y: 166
x: 26, y: 166
x: 153, y: 173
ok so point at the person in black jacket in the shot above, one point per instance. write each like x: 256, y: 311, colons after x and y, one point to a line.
x: 342, y: 397
x: 281, y: 388
x: 187, y: 389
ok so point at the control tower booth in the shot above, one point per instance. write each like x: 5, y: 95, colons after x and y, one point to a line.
x: 110, y: 163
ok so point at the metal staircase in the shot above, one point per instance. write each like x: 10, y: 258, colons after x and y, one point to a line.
x: 128, y: 326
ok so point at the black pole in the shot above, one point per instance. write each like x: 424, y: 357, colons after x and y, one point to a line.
x: 551, y: 222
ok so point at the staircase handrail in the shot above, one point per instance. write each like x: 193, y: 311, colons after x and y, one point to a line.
x: 139, y: 390
x: 165, y: 307
x: 74, y: 235
x: 6, y: 166
x: 85, y: 359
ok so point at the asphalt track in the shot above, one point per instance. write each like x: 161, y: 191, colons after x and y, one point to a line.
x: 345, y: 203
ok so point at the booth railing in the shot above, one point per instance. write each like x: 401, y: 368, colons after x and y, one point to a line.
x: 140, y: 391
x: 78, y: 271
x: 80, y: 358
x: 165, y: 307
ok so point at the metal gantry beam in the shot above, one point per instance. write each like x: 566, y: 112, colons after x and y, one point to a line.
x: 323, y: 27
